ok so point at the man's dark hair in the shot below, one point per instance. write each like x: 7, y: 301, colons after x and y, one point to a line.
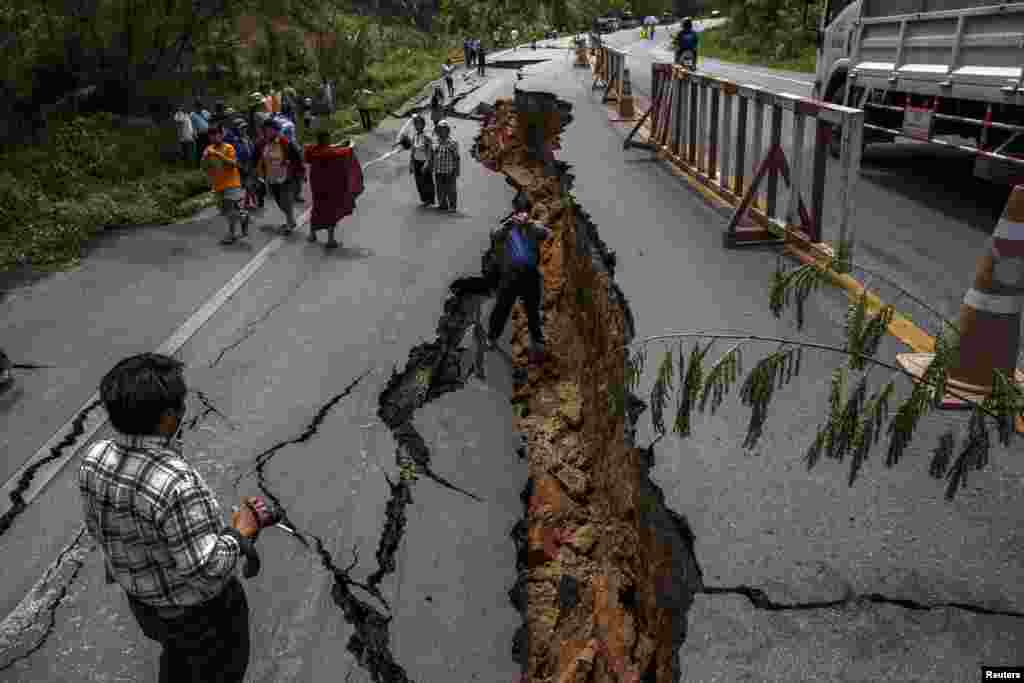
x: 521, y: 203
x: 140, y: 389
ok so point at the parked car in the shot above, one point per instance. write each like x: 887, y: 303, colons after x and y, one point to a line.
x: 667, y: 18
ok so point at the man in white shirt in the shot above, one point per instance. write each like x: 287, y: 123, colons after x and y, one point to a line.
x: 186, y: 134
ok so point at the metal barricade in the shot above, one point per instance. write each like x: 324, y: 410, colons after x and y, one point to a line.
x: 608, y: 72
x: 704, y: 124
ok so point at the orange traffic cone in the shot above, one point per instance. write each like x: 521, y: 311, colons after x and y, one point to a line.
x: 989, y: 316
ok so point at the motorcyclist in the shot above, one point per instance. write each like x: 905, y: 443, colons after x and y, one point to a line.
x: 686, y: 41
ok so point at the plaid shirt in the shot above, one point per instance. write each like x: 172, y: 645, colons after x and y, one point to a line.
x: 446, y: 156
x: 157, y: 522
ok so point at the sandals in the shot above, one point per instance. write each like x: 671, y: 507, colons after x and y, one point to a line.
x: 331, y: 244
x: 228, y: 239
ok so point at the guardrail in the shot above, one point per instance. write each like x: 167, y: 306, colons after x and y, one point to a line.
x: 608, y: 71
x: 702, y: 124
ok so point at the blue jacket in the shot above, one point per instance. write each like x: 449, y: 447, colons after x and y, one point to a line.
x: 199, y: 123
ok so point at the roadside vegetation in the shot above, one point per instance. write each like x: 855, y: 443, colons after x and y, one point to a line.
x: 717, y: 43
x: 93, y: 169
x: 779, y: 34
x: 90, y: 175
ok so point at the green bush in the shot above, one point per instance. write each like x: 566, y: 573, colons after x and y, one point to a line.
x: 89, y: 175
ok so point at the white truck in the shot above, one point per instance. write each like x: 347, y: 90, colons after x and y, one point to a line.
x: 933, y: 70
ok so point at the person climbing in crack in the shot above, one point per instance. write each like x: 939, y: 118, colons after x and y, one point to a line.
x: 519, y: 277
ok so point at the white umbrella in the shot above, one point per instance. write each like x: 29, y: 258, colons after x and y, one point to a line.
x: 650, y: 20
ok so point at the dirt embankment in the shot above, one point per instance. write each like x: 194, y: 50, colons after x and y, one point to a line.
x: 606, y: 572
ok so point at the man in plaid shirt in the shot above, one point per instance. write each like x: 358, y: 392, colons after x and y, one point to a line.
x: 160, y: 529
x: 446, y: 166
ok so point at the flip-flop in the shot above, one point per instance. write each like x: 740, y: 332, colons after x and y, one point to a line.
x: 230, y: 239
x: 333, y: 244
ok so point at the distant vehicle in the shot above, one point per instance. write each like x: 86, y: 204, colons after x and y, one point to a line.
x: 715, y: 13
x: 628, y: 21
x: 606, y: 24
x: 667, y: 18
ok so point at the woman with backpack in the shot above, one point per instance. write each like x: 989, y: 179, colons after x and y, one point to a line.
x: 520, y: 277
x: 280, y: 163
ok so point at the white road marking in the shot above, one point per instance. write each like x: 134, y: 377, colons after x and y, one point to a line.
x: 46, y: 473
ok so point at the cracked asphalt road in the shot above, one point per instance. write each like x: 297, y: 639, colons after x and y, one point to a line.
x: 759, y: 519
x: 335, y: 315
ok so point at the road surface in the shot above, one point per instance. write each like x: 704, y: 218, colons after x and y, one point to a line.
x: 308, y: 322
x: 295, y: 335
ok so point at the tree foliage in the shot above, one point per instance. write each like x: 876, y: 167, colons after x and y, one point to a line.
x: 778, y: 29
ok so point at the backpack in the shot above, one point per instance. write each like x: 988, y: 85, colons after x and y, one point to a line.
x: 244, y: 150
x: 519, y: 248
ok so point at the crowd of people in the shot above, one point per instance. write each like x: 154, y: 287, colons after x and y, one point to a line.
x: 475, y: 54
x: 249, y: 155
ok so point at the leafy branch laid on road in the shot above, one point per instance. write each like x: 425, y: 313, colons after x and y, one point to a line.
x: 859, y: 412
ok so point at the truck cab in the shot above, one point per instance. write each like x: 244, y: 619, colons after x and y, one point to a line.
x: 835, y: 43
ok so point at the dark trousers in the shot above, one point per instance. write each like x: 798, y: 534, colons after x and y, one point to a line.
x: 522, y: 284
x: 451, y: 85
x: 446, y: 194
x: 207, y: 643
x: 364, y: 115
x: 465, y: 55
x: 480, y: 62
x: 202, y: 141
x: 424, y: 181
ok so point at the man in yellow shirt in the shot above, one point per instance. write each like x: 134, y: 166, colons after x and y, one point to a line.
x: 221, y: 163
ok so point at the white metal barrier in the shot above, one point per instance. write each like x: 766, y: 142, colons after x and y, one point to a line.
x: 609, y: 67
x: 701, y: 122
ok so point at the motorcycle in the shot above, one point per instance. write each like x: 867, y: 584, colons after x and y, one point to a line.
x: 688, y: 60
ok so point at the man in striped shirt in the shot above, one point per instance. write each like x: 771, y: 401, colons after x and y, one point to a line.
x: 160, y: 528
x: 446, y: 164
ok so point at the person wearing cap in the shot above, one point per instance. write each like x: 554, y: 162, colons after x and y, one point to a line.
x: 308, y: 115
x: 447, y: 69
x: 420, y: 155
x: 280, y: 164
x: 520, y: 276
x: 186, y: 134
x: 220, y: 161
x: 446, y: 164
x: 362, y: 96
x: 481, y: 57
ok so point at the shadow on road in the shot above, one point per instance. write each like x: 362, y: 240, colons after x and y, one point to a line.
x: 938, y: 178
